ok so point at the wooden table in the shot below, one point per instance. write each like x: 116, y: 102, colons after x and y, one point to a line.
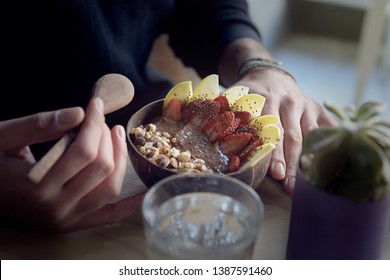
x: 126, y: 239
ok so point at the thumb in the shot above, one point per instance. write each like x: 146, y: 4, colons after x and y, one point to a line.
x: 39, y: 127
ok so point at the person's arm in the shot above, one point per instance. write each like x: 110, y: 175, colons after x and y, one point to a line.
x: 78, y: 190
x: 236, y: 54
x: 297, y: 112
x: 218, y: 36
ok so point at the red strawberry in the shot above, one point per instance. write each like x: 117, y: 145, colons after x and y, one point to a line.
x: 247, y: 128
x: 224, y: 104
x: 255, y: 142
x: 234, y: 143
x: 172, y: 110
x: 203, y: 111
x: 244, y: 116
x: 189, y: 108
x: 218, y: 127
x: 234, y: 163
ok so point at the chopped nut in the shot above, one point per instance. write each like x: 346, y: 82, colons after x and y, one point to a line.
x: 138, y: 132
x: 153, y: 152
x: 151, y: 127
x: 142, y: 150
x: 175, y: 152
x: 166, y: 134
x: 148, y: 145
x: 162, y: 144
x: 174, y: 163
x: 184, y: 156
x: 188, y: 165
x: 159, y: 148
x: 163, y: 161
x: 199, y: 161
x: 140, y: 141
x: 148, y: 135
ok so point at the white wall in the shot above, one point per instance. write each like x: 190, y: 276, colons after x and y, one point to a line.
x: 269, y: 16
x: 362, y: 4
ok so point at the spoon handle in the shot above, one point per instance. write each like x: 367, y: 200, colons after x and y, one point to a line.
x: 40, y: 169
x: 116, y: 91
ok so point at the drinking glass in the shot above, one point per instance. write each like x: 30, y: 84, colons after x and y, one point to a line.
x: 201, y: 216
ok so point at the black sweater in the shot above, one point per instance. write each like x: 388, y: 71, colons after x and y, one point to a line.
x: 57, y: 49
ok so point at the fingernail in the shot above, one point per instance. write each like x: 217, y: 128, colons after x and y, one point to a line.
x: 68, y: 117
x: 290, y: 184
x: 279, y: 169
x: 100, y: 104
x: 121, y: 133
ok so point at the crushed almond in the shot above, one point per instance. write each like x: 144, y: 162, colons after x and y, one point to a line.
x: 159, y: 148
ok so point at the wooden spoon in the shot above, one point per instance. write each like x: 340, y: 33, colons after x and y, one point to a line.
x: 116, y: 91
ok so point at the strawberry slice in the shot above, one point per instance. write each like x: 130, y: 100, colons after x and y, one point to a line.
x: 234, y: 143
x: 224, y: 104
x: 189, y: 109
x: 234, y: 163
x: 253, y: 143
x: 202, y: 111
x: 220, y: 126
x: 172, y: 110
x: 247, y: 128
x: 244, y: 116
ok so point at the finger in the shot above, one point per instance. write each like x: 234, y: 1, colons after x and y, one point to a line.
x: 39, y: 127
x: 82, y: 151
x: 23, y: 153
x: 111, y: 187
x: 91, y: 176
x: 292, y: 146
x: 324, y: 119
x: 277, y: 167
x: 110, y: 213
x: 308, y: 122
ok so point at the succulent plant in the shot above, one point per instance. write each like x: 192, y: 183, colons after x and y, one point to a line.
x: 352, y: 158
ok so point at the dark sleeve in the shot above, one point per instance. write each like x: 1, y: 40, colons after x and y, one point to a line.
x: 202, y: 29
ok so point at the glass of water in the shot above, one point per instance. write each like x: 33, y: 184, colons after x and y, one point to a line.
x: 201, y: 216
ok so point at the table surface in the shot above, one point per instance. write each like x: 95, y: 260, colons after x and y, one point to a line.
x: 126, y: 240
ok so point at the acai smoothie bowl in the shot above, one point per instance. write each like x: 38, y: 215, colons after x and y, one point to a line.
x: 203, y: 130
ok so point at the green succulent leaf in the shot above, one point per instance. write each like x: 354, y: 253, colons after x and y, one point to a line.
x: 367, y: 160
x: 339, y: 112
x: 350, y: 111
x: 384, y: 122
x: 323, y: 139
x: 381, y: 192
x: 386, y: 168
x: 383, y: 125
x: 369, y: 109
x: 351, y: 159
x: 380, y: 135
x: 324, y: 154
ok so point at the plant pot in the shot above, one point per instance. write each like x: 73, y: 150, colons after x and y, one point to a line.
x: 324, y: 226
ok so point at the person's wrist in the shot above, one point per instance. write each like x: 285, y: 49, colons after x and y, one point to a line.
x: 259, y: 63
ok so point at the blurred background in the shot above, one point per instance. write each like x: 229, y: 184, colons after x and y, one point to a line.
x: 338, y: 50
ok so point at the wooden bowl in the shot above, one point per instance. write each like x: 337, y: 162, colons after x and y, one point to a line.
x: 151, y: 173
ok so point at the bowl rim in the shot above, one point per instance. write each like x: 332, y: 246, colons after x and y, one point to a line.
x: 154, y: 103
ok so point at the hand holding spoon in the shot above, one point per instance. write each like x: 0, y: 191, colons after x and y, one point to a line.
x: 116, y: 91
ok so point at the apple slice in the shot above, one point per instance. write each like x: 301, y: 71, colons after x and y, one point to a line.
x: 181, y: 91
x: 263, y: 120
x: 208, y: 88
x: 269, y: 133
x: 252, y: 103
x: 234, y: 93
x: 258, y: 153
